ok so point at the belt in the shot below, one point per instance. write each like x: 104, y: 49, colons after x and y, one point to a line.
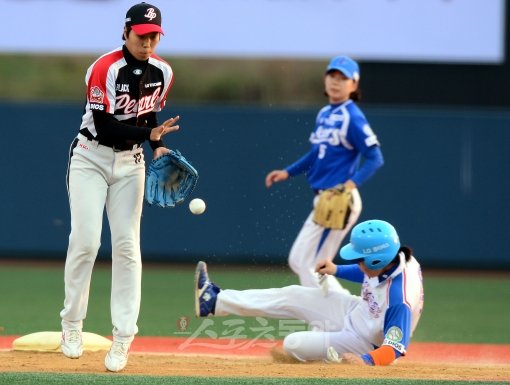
x: 115, y: 147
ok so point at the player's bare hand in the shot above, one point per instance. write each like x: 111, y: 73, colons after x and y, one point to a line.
x: 276, y: 176
x: 352, y: 359
x: 325, y: 266
x: 168, y: 126
x: 159, y: 152
x: 350, y: 185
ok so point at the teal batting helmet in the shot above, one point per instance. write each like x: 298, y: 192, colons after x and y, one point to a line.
x: 375, y: 242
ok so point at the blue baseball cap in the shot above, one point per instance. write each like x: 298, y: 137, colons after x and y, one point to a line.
x: 345, y: 65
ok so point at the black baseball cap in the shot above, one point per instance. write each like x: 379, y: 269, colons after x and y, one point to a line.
x: 144, y: 18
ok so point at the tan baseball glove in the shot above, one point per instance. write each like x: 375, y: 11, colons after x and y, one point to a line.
x: 333, y: 208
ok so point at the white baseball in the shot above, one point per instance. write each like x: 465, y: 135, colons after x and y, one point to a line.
x: 197, y: 206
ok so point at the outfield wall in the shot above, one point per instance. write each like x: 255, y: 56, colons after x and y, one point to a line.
x: 445, y: 183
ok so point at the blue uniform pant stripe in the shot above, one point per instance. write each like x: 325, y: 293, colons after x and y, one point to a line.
x: 324, y: 235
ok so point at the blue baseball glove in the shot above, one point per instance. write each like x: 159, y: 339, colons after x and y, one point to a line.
x: 170, y: 179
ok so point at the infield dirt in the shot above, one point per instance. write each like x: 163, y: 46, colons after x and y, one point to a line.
x: 427, y: 361
x: 161, y: 364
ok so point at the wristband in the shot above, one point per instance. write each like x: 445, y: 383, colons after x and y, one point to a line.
x: 384, y: 355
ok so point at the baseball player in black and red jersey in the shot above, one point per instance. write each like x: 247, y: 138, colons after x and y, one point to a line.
x: 125, y: 89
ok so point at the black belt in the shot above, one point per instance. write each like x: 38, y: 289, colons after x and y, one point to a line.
x: 117, y: 147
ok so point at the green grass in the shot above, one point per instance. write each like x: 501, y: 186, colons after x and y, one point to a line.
x: 466, y: 309
x: 461, y: 309
x: 472, y: 309
x: 83, y: 379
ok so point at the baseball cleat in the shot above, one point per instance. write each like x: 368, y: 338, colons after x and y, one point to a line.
x: 332, y: 356
x: 205, y: 292
x: 117, y: 357
x: 324, y: 284
x: 71, y: 343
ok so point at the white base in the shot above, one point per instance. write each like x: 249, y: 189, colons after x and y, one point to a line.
x: 50, y: 342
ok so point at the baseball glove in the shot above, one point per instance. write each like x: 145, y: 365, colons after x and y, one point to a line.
x: 170, y: 179
x: 333, y: 208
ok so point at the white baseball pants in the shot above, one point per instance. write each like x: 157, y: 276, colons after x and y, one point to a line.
x: 98, y: 177
x: 315, y: 243
x: 327, y: 315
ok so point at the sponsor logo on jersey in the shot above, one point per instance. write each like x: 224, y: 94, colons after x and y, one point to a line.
x: 124, y: 105
x: 151, y: 14
x: 394, y: 334
x: 373, y: 306
x: 137, y: 71
x: 122, y: 87
x: 84, y: 146
x: 393, y: 338
x: 96, y: 95
x: 399, y: 347
x: 150, y: 85
x: 97, y: 106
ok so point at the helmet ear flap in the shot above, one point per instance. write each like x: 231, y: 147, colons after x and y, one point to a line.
x: 375, y: 262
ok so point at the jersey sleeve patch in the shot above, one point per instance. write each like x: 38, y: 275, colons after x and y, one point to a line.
x: 96, y: 95
x: 371, y: 138
x: 393, y: 338
x: 397, y: 327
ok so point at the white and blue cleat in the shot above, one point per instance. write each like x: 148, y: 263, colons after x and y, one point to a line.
x: 206, y: 292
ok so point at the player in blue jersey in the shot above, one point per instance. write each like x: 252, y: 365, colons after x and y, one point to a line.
x: 374, y: 328
x: 341, y: 138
